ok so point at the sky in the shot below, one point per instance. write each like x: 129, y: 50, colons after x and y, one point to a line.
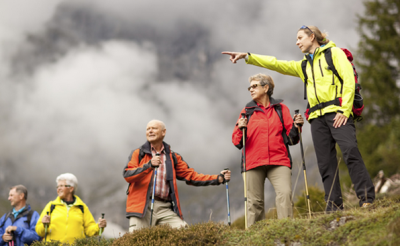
x: 79, y: 81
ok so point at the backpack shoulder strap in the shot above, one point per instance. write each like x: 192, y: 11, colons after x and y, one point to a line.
x: 29, y: 217
x: 52, y: 206
x: 303, y: 68
x: 141, y: 155
x: 5, y: 218
x: 331, y: 66
x: 175, y: 160
x: 278, y: 109
x: 81, y: 208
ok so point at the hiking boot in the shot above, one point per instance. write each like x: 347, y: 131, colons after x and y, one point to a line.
x: 366, y: 205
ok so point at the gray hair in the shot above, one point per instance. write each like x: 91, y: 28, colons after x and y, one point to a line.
x: 20, y: 189
x: 264, y: 80
x: 69, y: 178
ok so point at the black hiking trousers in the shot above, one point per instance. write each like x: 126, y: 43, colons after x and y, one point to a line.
x: 325, y: 137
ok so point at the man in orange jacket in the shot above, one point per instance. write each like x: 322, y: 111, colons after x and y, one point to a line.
x: 139, y: 173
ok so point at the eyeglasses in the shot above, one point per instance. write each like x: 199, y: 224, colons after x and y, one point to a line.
x: 254, y: 86
x: 306, y: 27
x: 62, y: 186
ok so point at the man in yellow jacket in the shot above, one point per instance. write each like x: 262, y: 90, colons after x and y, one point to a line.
x: 331, y: 123
x: 69, y: 218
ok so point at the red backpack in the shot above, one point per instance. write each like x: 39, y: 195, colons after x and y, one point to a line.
x: 358, y: 104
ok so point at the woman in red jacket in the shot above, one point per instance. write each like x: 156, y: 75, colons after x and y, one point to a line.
x: 267, y: 153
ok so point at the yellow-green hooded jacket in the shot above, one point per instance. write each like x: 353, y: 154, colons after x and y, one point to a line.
x: 66, y: 226
x: 322, y: 84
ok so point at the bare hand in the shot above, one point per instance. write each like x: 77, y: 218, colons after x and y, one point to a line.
x: 235, y: 55
x: 242, y: 123
x: 102, y: 223
x: 46, y: 219
x: 298, y: 120
x: 7, y: 237
x: 156, y: 161
x: 10, y: 229
x: 227, y: 176
x: 339, y: 120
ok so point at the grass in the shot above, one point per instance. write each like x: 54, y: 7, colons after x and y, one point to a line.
x: 378, y: 224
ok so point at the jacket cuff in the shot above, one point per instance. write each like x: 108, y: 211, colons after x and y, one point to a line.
x: 223, y: 178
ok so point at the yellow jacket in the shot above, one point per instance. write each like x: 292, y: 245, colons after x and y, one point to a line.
x: 66, y: 226
x: 322, y: 84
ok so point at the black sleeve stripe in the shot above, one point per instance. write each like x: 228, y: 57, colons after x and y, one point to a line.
x: 130, y: 173
x: 202, y: 183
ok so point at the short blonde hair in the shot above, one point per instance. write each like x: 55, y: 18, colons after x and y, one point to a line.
x: 264, y: 80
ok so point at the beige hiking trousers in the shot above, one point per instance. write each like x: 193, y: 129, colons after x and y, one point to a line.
x: 280, y: 178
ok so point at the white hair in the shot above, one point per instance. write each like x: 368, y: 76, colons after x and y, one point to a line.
x: 162, y: 124
x: 69, y: 178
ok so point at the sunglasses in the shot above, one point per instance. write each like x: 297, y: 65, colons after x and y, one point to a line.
x: 306, y: 27
x: 62, y: 186
x: 254, y: 86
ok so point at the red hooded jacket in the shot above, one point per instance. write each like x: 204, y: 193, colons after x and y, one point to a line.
x: 264, y: 141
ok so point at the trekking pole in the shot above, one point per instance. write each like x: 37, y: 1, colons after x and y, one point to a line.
x: 227, y: 200
x: 11, y: 243
x: 101, y: 228
x: 46, y: 226
x: 244, y: 175
x: 296, y: 112
x: 154, y: 191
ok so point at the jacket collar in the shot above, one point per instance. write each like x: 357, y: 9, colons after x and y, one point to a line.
x: 272, y: 101
x: 58, y: 201
x: 330, y: 44
x: 146, y: 147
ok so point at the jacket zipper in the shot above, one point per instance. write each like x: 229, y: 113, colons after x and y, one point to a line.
x: 320, y: 67
x: 315, y: 86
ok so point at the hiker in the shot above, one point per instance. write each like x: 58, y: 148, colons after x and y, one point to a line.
x: 139, y: 173
x: 330, y: 123
x: 267, y: 155
x: 67, y: 218
x: 18, y: 225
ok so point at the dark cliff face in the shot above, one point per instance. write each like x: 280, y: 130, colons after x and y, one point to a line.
x: 78, y: 91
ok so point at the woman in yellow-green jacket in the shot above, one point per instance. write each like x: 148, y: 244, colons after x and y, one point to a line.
x: 331, y: 123
x: 69, y: 218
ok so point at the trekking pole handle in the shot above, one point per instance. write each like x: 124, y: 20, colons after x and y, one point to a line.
x: 243, y: 115
x: 296, y: 112
x: 224, y: 177
x: 101, y: 229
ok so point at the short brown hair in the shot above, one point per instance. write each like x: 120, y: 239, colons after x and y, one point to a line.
x: 264, y: 80
x: 21, y: 189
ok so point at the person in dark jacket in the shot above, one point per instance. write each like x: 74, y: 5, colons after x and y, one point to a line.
x: 18, y: 225
x: 267, y: 155
x: 139, y: 173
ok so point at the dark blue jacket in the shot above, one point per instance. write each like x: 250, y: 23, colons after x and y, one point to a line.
x: 25, y: 233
